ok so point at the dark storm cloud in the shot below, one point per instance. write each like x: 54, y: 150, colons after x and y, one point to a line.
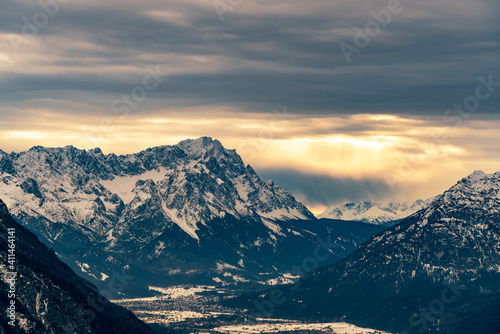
x: 326, y: 190
x: 425, y: 60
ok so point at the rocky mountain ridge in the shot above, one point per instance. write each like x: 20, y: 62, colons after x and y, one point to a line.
x: 437, y: 271
x: 375, y: 212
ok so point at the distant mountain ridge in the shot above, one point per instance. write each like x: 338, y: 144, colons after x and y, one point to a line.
x: 174, y: 214
x: 375, y: 212
x: 437, y: 271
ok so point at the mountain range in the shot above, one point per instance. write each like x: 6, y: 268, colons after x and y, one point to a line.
x: 191, y: 212
x: 195, y: 213
x: 437, y: 271
x: 375, y: 212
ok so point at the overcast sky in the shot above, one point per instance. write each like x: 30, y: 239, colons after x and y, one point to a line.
x: 317, y: 95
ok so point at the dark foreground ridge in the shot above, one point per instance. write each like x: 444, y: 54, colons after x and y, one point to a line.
x: 48, y: 297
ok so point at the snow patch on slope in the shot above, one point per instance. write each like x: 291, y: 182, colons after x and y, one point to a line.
x: 123, y: 186
x: 185, y: 224
x: 283, y: 214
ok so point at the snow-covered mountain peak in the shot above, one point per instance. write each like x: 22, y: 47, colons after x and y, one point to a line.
x: 479, y: 179
x: 201, y: 146
x: 477, y: 173
x: 479, y: 191
x: 478, y: 183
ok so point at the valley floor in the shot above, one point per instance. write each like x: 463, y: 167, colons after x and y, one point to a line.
x: 195, y: 309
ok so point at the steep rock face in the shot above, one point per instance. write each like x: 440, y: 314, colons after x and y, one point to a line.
x: 48, y: 296
x: 445, y: 258
x: 165, y: 215
x: 376, y: 213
